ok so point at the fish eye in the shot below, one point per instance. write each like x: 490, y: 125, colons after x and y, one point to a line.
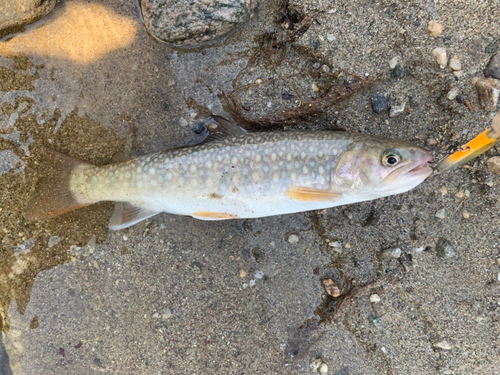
x: 391, y: 159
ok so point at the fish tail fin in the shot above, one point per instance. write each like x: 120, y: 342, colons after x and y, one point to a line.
x: 53, y: 195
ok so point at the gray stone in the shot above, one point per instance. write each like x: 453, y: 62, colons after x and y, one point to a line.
x: 396, y: 110
x: 194, y: 22
x: 444, y: 248
x: 379, y: 102
x: 17, y: 13
x: 493, y: 67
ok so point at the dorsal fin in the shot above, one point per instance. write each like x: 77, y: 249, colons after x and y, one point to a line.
x: 220, y: 127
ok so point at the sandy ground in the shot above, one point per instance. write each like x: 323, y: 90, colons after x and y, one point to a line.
x: 174, y: 295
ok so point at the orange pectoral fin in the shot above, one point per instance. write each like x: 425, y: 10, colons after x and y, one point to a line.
x: 305, y: 194
x: 208, y: 215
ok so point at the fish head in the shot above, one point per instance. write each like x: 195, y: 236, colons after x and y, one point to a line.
x: 373, y: 167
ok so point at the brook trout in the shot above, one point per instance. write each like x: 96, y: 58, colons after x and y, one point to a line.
x: 236, y: 174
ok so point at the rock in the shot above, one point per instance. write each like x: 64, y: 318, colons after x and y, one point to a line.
x: 323, y: 369
x: 331, y: 287
x: 379, y: 102
x: 444, y: 249
x: 445, y: 345
x: 17, y: 13
x: 440, y: 214
x: 393, y: 62
x: 393, y: 252
x: 458, y: 73
x: 466, y: 214
x: 434, y: 28
x: 166, y: 314
x: 455, y: 64
x: 440, y: 56
x: 374, y: 298
x: 493, y: 67
x: 396, y: 110
x: 398, y: 72
x: 493, y: 164
x: 487, y: 91
x: 243, y: 274
x: 452, y: 94
x: 292, y: 238
x: 194, y: 22
x: 315, y: 363
x: 492, y: 47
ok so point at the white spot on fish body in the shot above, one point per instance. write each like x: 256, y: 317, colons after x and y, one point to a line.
x: 128, y: 175
x: 255, y: 176
x: 289, y: 157
x: 209, y: 164
x: 305, y: 170
x: 258, y: 158
x: 321, y: 170
x: 311, y: 149
x: 273, y: 157
x: 154, y: 183
x: 219, y: 157
x: 139, y: 184
x: 194, y: 182
x: 303, y: 155
x: 321, y: 154
x: 265, y: 169
x: 234, y: 160
x: 193, y: 168
x: 293, y: 175
x: 152, y: 171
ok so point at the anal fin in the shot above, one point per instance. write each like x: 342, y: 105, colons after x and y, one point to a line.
x: 209, y: 215
x: 126, y: 215
x: 305, y: 194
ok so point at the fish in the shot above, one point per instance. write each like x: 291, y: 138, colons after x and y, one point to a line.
x: 235, y: 174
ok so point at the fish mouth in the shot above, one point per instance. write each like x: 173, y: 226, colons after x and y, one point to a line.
x: 420, y: 168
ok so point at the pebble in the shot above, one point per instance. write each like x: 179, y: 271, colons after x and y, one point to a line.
x: 444, y: 249
x: 166, y: 314
x: 466, y: 215
x: 194, y: 22
x: 292, y: 238
x: 379, y: 102
x: 493, y: 164
x: 445, y: 345
x: 434, y: 28
x: 488, y: 90
x: 53, y: 241
x: 315, y: 363
x: 455, y: 64
x: 452, y: 94
x: 398, y: 72
x: 323, y: 369
x: 393, y: 252
x: 440, y: 214
x: 336, y: 244
x: 330, y: 37
x: 440, y: 56
x: 259, y: 275
x: 396, y: 110
x: 393, y: 62
x: 331, y: 287
x: 374, y: 298
x: 458, y: 73
x: 499, y: 276
x: 493, y: 67
x: 243, y: 274
x: 251, y: 283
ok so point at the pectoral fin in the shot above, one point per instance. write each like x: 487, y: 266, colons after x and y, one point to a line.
x: 305, y: 194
